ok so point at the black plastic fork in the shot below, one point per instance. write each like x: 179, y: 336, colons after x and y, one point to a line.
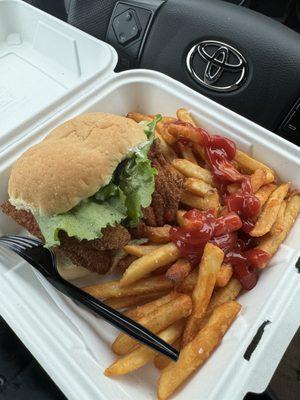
x: 44, y: 260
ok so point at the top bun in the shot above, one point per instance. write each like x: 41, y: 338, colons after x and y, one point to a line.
x: 72, y: 163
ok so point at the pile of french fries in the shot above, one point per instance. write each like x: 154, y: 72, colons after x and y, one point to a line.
x: 190, y: 308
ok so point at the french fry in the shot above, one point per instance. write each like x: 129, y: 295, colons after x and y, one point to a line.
x: 128, y: 301
x: 152, y: 284
x: 182, y: 131
x: 168, y: 120
x: 200, y: 151
x: 278, y: 225
x: 159, y: 235
x: 201, y: 203
x: 142, y: 355
x: 163, y: 131
x: 187, y: 153
x: 264, y: 193
x: 169, y: 139
x: 143, y: 266
x: 192, y: 201
x: 140, y: 250
x: 212, y: 201
x: 147, y: 308
x: 259, y: 178
x: 189, y: 282
x: 179, y: 217
x: 166, y: 150
x: 269, y: 214
x: 179, y: 271
x: 198, y: 350
x: 191, y: 170
x: 161, y: 361
x: 198, y: 187
x: 156, y: 321
x: 270, y: 243
x: 138, y: 117
x: 208, y: 269
x: 224, y: 275
x: 185, y: 116
x: 250, y: 164
x: 222, y: 295
x: 113, y: 289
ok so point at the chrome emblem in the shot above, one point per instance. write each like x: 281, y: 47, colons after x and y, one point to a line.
x: 216, y: 65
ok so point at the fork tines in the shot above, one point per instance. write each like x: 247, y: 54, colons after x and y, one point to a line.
x: 19, y: 243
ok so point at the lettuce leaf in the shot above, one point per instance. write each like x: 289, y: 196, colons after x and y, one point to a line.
x: 84, y: 221
x: 137, y: 178
x: 122, y: 200
x: 109, y: 191
x: 137, y: 183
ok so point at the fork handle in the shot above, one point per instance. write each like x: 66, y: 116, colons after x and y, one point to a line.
x: 115, y: 318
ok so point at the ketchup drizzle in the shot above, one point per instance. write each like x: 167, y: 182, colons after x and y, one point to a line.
x: 229, y: 231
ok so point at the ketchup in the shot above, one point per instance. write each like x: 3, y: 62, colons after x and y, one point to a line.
x: 201, y: 227
x: 179, y: 142
x: 219, y: 154
x: 191, y: 238
x: 229, y: 231
x: 245, y: 204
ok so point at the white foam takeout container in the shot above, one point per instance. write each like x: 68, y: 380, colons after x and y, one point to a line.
x: 72, y: 345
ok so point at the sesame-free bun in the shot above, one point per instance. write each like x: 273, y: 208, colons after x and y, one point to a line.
x: 72, y: 163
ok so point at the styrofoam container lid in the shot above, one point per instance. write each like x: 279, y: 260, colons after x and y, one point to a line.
x: 44, y: 65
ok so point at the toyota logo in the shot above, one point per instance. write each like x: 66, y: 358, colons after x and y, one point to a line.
x: 216, y: 65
